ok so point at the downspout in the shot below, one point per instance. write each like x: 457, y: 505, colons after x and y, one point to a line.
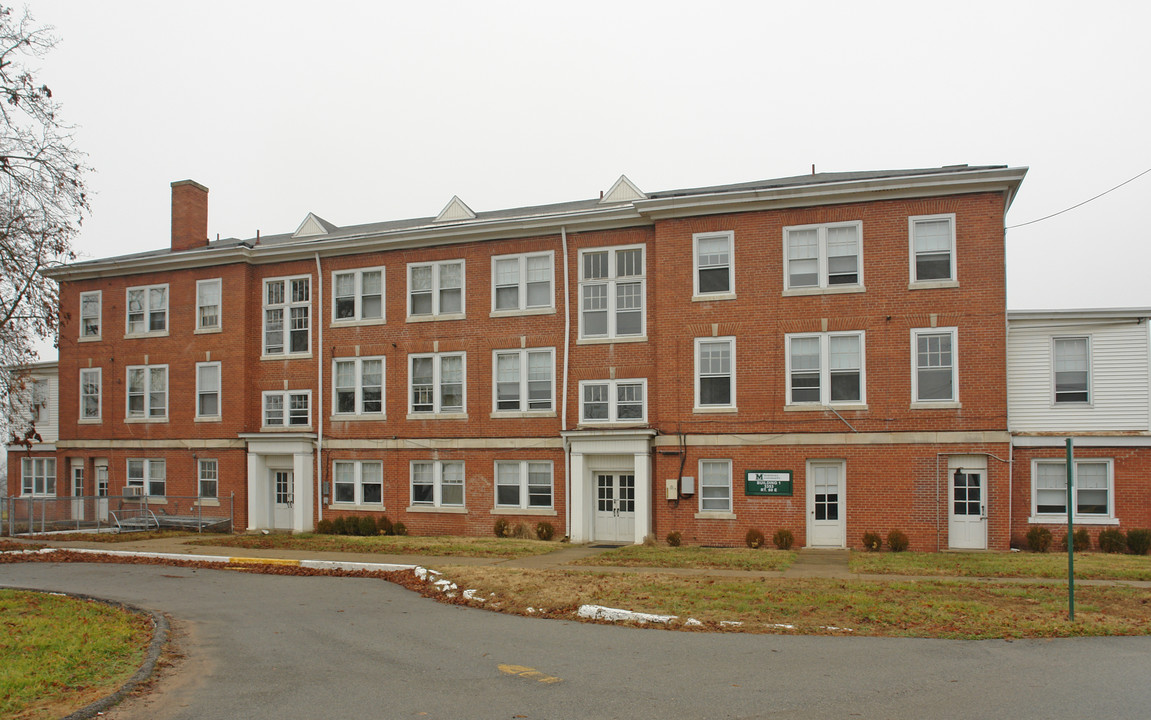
x: 564, y: 410
x: 320, y: 395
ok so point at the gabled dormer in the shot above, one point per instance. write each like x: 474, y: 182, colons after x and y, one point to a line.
x: 313, y: 226
x: 623, y: 190
x: 456, y: 209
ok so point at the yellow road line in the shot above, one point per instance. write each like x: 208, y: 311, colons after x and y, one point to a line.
x: 527, y: 672
x: 262, y: 561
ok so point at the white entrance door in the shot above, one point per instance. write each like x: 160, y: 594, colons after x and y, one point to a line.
x: 826, y: 520
x: 77, y: 492
x: 967, y: 521
x: 102, y: 493
x: 614, y: 507
x: 282, y: 499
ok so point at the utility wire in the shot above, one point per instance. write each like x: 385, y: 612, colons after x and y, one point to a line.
x: 1032, y: 222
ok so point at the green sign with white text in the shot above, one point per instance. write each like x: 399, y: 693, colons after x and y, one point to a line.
x: 767, y: 482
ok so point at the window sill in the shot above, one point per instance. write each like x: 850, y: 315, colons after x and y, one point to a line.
x: 144, y: 336
x: 1073, y: 405
x: 357, y: 323
x: 437, y: 318
x: 612, y: 423
x: 211, y: 419
x: 544, y: 512
x: 90, y: 421
x: 133, y: 421
x: 97, y: 338
x: 712, y: 515
x: 715, y: 410
x: 207, y: 502
x: 513, y: 414
x: 434, y: 509
x: 288, y: 356
x: 852, y: 407
x: 612, y: 340
x: 525, y: 311
x: 833, y: 290
x: 936, y: 405
x: 287, y: 429
x: 375, y: 507
x: 438, y: 416
x: 713, y: 296
x: 366, y: 417
x: 145, y: 499
x: 932, y: 284
x: 207, y: 331
x: 1078, y: 519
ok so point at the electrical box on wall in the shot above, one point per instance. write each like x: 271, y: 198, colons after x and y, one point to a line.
x: 687, y: 488
x: 672, y: 489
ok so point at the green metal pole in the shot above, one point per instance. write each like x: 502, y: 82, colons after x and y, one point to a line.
x: 1070, y: 532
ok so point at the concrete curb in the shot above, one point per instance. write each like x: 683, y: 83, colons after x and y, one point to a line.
x: 238, y: 560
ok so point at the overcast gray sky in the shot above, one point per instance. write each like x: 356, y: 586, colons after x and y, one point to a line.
x: 367, y: 111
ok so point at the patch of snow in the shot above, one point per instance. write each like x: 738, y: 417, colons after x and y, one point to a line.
x: 423, y: 573
x: 599, y: 612
x: 692, y: 622
x: 835, y: 629
x: 471, y: 595
x: 731, y: 623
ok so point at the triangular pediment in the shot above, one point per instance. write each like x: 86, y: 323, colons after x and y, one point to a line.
x: 314, y: 225
x: 624, y: 190
x: 456, y: 209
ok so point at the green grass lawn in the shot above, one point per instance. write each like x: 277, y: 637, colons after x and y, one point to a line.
x: 659, y: 556
x: 57, y: 654
x: 438, y: 546
x: 1088, y: 566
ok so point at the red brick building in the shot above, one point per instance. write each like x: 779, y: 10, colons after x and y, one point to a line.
x: 822, y: 353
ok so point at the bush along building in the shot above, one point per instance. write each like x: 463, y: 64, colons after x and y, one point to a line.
x: 824, y: 354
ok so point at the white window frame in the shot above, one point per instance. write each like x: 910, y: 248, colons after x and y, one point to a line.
x: 99, y: 384
x: 825, y: 370
x: 146, y: 481
x: 201, y: 390
x: 523, y: 484
x: 612, y: 401
x: 29, y: 478
x: 1079, y: 518
x: 953, y: 279
x: 358, y: 388
x: 285, y: 307
x: 201, y: 285
x: 146, y: 415
x: 524, y: 382
x: 437, y: 483
x: 358, y: 317
x: 729, y: 293
x: 147, y: 311
x: 716, y: 512
x: 954, y: 401
x: 285, y: 409
x: 437, y: 387
x: 1055, y: 401
x: 610, y: 283
x: 357, y: 483
x: 823, y: 281
x: 522, y: 306
x: 207, y: 471
x: 699, y: 375
x: 436, y: 313
x: 97, y: 317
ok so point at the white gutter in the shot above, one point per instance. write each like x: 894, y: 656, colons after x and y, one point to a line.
x: 564, y: 410
x: 320, y: 393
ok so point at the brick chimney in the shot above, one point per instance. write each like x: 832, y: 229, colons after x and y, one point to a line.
x: 189, y: 215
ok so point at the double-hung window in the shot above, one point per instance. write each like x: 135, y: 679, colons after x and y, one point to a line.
x: 208, y: 477
x: 290, y: 408
x: 1072, y: 369
x: 612, y: 290
x: 932, y: 248
x: 606, y: 401
x: 524, y: 380
x: 38, y: 477
x: 40, y: 400
x: 436, y: 290
x: 523, y: 484
x: 208, y: 391
x: 714, y: 276
x: 715, y: 373
x: 715, y: 486
x: 287, y: 316
x: 359, y: 386
x: 826, y: 369
x: 822, y: 257
x: 91, y: 381
x: 934, y: 377
x: 208, y: 299
x: 1093, y: 490
x: 148, y: 310
x: 358, y: 482
x: 437, y: 383
x: 437, y: 483
x: 90, y: 315
x: 147, y: 392
x: 358, y: 295
x: 522, y: 283
x: 151, y: 476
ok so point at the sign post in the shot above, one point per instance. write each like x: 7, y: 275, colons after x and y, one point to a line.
x: 1070, y: 532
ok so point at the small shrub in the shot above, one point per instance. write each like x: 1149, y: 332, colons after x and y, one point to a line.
x: 1039, y: 539
x: 674, y: 539
x: 522, y: 532
x: 398, y: 528
x: 1082, y: 540
x: 648, y: 540
x: 339, y: 525
x: 753, y: 538
x: 545, y: 531
x: 384, y: 525
x: 324, y: 527
x: 897, y: 541
x: 502, y: 528
x: 872, y: 541
x: 1112, y: 540
x: 1138, y: 541
x: 367, y: 526
x: 783, y: 539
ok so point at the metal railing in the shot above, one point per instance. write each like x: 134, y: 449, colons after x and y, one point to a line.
x: 115, y: 513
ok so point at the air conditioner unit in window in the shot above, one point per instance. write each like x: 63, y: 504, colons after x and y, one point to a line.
x: 133, y: 491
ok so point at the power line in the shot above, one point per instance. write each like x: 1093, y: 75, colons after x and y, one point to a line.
x: 1047, y: 217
